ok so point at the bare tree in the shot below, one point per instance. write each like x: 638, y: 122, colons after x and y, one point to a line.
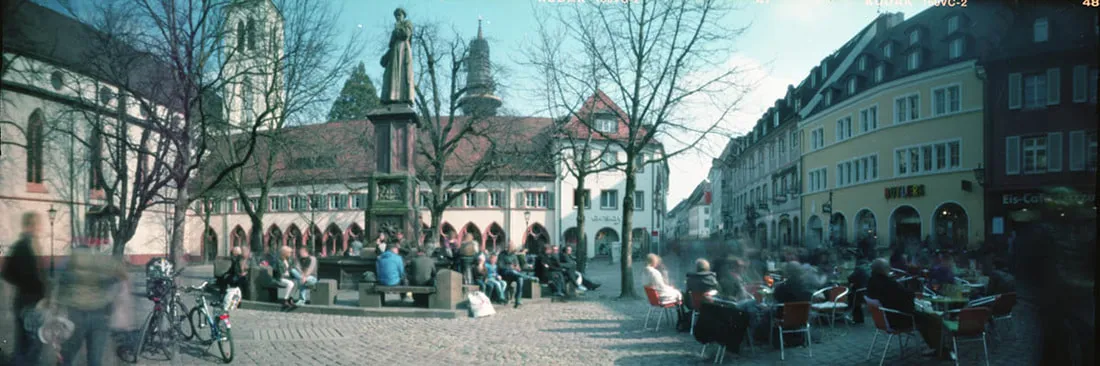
x: 655, y: 58
x: 456, y: 153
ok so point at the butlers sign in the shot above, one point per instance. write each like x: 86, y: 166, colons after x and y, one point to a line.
x: 909, y: 191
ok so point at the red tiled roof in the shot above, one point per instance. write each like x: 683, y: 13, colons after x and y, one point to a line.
x: 595, y: 104
x: 345, y: 150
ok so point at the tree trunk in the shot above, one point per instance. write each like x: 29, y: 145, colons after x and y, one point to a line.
x: 431, y: 238
x: 627, y: 247
x: 582, y: 239
x: 256, y: 236
x: 179, y: 219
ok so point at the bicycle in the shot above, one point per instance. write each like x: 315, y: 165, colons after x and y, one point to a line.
x: 164, y: 323
x: 200, y: 318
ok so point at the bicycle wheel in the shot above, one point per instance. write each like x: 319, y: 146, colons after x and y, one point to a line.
x: 225, y: 343
x: 168, y: 334
x: 200, y: 326
x: 179, y: 316
x: 146, y: 334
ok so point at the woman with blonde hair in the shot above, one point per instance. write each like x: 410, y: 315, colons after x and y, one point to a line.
x: 658, y: 280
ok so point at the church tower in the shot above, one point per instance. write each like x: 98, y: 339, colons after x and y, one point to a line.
x: 479, y: 99
x: 253, y: 44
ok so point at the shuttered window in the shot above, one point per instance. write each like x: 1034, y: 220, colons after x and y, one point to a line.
x: 1012, y: 155
x: 1054, y: 86
x: 1014, y: 91
x: 1077, y: 151
x: 1080, y: 84
x: 1054, y: 152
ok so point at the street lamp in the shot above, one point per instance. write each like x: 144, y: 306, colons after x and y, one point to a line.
x: 979, y: 175
x: 526, y: 224
x: 52, y: 215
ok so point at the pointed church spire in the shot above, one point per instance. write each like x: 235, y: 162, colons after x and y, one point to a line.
x: 479, y: 99
x: 479, y: 36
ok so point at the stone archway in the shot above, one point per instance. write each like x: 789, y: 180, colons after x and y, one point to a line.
x: 274, y: 239
x: 536, y: 238
x: 316, y: 241
x: 838, y: 229
x: 472, y: 229
x: 334, y: 241
x: 495, y: 239
x: 905, y: 226
x: 448, y: 233
x: 815, y: 233
x: 951, y: 225
x: 784, y: 231
x: 293, y: 238
x: 604, y: 238
x: 355, y: 233
x: 238, y: 238
x: 866, y: 225
x: 210, y: 245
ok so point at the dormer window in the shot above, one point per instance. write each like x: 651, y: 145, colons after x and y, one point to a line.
x: 606, y: 125
x: 775, y: 119
x: 952, y: 24
x: 880, y: 73
x: 797, y: 104
x: 888, y: 50
x: 955, y: 48
x: 829, y: 97
x: 863, y: 63
x: 1041, y: 30
x: 913, y: 61
x: 852, y: 86
x: 813, y: 79
x: 914, y: 37
x: 824, y: 69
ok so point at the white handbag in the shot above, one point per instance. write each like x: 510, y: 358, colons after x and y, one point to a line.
x: 480, y: 306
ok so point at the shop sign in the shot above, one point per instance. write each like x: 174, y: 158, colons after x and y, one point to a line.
x: 1036, y: 198
x: 909, y: 191
x: 609, y: 218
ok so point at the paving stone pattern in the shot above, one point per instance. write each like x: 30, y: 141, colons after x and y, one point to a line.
x: 597, y: 329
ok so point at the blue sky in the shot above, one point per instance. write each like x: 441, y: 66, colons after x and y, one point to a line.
x: 785, y: 40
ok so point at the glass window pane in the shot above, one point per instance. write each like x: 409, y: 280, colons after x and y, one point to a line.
x: 900, y: 161
x: 941, y: 156
x: 954, y: 146
x: 926, y: 155
x: 914, y: 159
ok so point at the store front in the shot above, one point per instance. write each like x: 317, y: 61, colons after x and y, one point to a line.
x: 1070, y: 209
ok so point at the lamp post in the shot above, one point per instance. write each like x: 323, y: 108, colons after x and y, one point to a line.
x: 526, y: 225
x: 52, y: 215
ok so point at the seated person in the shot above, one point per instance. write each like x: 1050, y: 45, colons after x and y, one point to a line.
x: 899, y: 260
x: 658, y: 280
x: 702, y: 281
x: 856, y: 281
x: 511, y: 272
x: 795, y: 288
x: 494, y: 280
x: 390, y: 267
x: 944, y: 271
x: 569, y: 266
x: 893, y: 295
x: 307, y: 276
x: 548, y: 271
x: 282, y: 276
x: 421, y: 270
x: 467, y: 254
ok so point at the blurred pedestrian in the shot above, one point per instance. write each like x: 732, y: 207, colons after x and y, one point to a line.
x: 87, y: 291
x: 22, y: 272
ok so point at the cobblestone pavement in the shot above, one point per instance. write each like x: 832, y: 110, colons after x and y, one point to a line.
x: 598, y: 329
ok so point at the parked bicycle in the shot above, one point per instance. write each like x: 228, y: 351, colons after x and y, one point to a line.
x: 210, y: 319
x: 164, y: 324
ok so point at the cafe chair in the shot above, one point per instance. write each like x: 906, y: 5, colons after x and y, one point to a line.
x: 1001, y: 310
x: 655, y: 303
x: 696, y: 301
x: 795, y: 319
x: 970, y: 327
x: 882, y: 325
x: 836, y: 303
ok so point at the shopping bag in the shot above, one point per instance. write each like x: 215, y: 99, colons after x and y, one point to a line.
x: 480, y: 306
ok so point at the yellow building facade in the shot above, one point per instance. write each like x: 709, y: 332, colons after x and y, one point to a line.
x: 895, y: 163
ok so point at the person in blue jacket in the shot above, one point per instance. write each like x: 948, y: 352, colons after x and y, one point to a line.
x: 390, y: 267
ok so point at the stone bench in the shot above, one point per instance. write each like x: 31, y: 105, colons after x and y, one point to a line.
x: 447, y: 292
x: 324, y: 292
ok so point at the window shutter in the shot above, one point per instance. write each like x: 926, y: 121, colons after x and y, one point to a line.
x: 1053, y: 86
x: 1012, y: 155
x: 520, y: 202
x: 550, y: 200
x: 1080, y: 83
x: 1077, y: 151
x: 1054, y: 152
x: 1014, y: 91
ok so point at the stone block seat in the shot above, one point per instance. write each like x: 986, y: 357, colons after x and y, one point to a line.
x: 446, y: 294
x: 324, y: 292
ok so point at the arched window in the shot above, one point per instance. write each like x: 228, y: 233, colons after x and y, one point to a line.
x: 251, y: 34
x: 35, y: 140
x: 240, y: 35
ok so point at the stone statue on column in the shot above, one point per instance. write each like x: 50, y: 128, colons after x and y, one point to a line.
x: 397, y: 81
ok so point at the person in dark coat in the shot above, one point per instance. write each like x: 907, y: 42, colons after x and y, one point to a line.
x: 22, y: 272
x: 548, y: 271
x: 858, y: 281
x: 421, y: 270
x: 569, y: 265
x: 893, y: 295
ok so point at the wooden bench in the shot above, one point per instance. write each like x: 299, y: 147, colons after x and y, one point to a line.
x: 372, y: 295
x: 324, y: 292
